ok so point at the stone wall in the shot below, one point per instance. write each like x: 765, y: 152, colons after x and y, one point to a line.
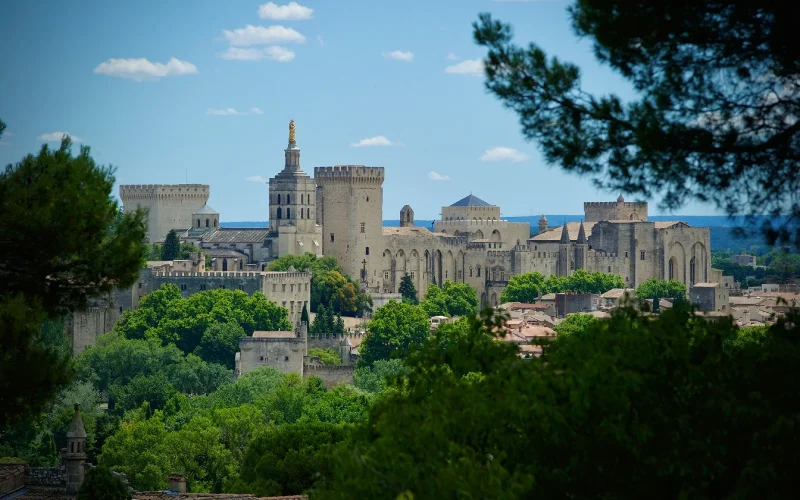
x: 595, y: 211
x: 331, y: 375
x: 45, y: 476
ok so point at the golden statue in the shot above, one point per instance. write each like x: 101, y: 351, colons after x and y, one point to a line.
x: 291, y: 131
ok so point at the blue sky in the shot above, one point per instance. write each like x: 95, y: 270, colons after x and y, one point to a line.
x: 387, y: 83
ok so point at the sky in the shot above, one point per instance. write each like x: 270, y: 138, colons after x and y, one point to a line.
x: 203, y: 91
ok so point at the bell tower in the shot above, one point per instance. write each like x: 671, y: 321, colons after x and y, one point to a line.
x: 74, y: 455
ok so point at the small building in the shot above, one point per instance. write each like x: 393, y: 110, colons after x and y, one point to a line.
x: 710, y: 297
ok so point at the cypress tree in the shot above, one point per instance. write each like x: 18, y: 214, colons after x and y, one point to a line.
x: 407, y: 290
x: 172, y: 246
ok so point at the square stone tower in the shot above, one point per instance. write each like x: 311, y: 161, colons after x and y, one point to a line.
x: 351, y: 201
x: 169, y: 206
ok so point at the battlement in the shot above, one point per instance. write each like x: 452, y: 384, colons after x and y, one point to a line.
x: 152, y: 191
x: 596, y: 211
x: 614, y: 204
x: 231, y: 274
x: 475, y: 223
x: 349, y: 173
x: 499, y: 253
x: 327, y: 368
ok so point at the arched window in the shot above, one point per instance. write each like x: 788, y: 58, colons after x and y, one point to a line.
x: 302, y: 197
x: 301, y: 213
x: 279, y: 199
x: 288, y: 210
x: 215, y: 222
x: 224, y: 264
x: 288, y: 202
x: 308, y: 213
x: 241, y: 264
x: 672, y: 269
x: 206, y: 222
x: 279, y: 213
x: 198, y: 222
x: 367, y: 250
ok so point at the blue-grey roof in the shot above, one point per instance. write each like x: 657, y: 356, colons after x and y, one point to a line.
x: 471, y: 201
x: 206, y: 210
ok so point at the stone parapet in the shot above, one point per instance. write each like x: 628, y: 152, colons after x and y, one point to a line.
x: 153, y: 191
x: 349, y: 173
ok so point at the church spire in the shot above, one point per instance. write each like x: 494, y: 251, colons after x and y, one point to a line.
x: 564, y: 233
x: 581, y: 235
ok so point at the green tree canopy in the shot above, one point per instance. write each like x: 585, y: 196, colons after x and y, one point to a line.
x: 375, y: 378
x: 451, y: 299
x: 220, y: 343
x: 711, y: 121
x: 63, y: 242
x: 101, y: 484
x: 674, y: 402
x: 172, y: 246
x: 165, y: 315
x: 394, y: 331
x: 523, y: 288
x: 328, y: 356
x: 407, y: 289
x: 575, y: 324
x: 655, y: 288
x: 290, y: 459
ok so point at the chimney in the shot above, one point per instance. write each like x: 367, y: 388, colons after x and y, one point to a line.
x: 177, y: 482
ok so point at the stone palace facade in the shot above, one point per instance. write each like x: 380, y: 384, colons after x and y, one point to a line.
x: 339, y: 212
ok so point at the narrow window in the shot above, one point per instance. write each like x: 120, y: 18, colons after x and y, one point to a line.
x: 302, y: 197
x: 362, y: 227
x: 206, y: 222
x: 279, y: 213
x: 626, y: 255
x: 367, y: 251
x: 288, y: 201
x: 215, y: 222
x: 283, y: 288
x: 331, y: 237
x: 198, y: 222
x: 641, y: 255
x: 279, y: 199
x: 274, y: 287
x: 288, y: 210
x: 308, y: 213
x: 301, y: 213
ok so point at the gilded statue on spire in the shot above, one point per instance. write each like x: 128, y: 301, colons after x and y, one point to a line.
x: 291, y: 132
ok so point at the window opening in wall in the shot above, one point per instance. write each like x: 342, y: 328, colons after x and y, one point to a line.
x: 301, y: 213
x: 283, y: 288
x: 291, y: 289
x: 183, y: 287
x: 279, y: 213
x: 386, y: 275
x: 202, y: 287
x: 367, y: 252
x: 286, y: 358
x: 198, y: 222
x: 331, y: 237
x: 459, y: 275
x: 367, y: 198
x: 241, y: 287
x: 279, y: 199
x: 362, y: 227
x: 215, y: 222
x: 222, y: 286
x: 641, y: 255
x: 206, y: 222
x: 479, y: 271
x: 609, y: 268
x: 274, y: 287
x: 288, y: 212
x: 288, y: 199
x: 413, y: 275
x: 470, y: 272
x: 306, y: 287
x: 626, y: 255
x: 302, y: 197
x: 308, y: 213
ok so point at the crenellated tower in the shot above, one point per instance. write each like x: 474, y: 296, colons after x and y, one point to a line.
x: 581, y: 249
x: 168, y: 206
x: 351, y: 210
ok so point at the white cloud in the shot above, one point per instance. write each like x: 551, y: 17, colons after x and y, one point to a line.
x: 141, y: 69
x: 499, y: 153
x: 232, y: 112
x: 399, y: 55
x: 291, y: 12
x: 273, y: 53
x: 435, y: 176
x: 5, y: 143
x: 260, y: 35
x: 320, y: 40
x: 451, y: 57
x: 373, y: 141
x: 472, y: 67
x: 256, y: 178
x: 56, y: 137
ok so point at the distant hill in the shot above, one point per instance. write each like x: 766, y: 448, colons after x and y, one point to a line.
x: 722, y: 237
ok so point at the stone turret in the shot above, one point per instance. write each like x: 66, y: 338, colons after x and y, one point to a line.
x: 74, y: 457
x: 581, y: 235
x: 542, y: 224
x: 564, y: 234
x: 581, y: 248
x: 406, y: 217
x: 564, y: 257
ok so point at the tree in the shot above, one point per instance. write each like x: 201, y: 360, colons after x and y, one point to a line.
x: 408, y: 290
x: 164, y: 314
x: 575, y: 324
x: 451, y: 299
x: 172, y: 246
x: 288, y: 460
x: 376, y: 377
x: 716, y: 114
x: 691, y: 407
x: 220, y: 343
x: 304, y: 315
x: 55, y: 197
x: 655, y: 288
x: 328, y: 356
x: 523, y: 288
x: 101, y: 484
x: 394, y: 331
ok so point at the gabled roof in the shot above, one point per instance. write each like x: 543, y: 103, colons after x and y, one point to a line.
x: 471, y: 201
x: 231, y: 235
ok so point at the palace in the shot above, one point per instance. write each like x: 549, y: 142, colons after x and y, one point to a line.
x: 339, y: 212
